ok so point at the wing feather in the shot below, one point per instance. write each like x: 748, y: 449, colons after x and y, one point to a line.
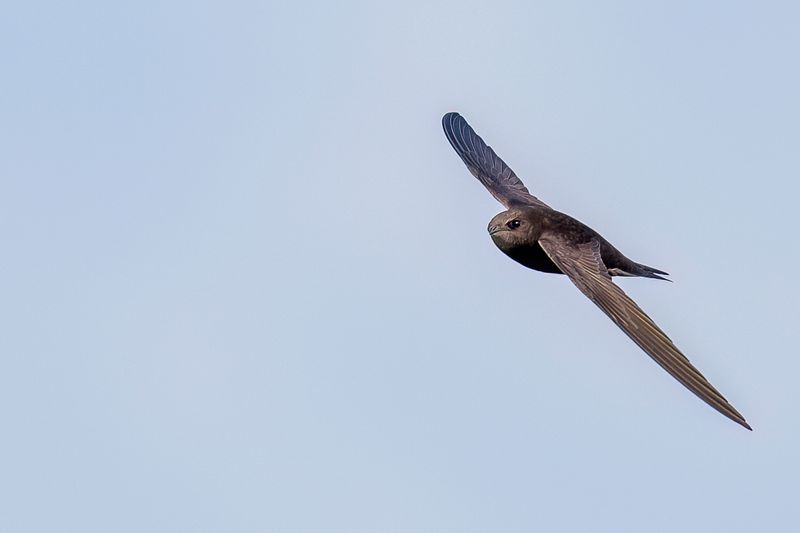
x: 485, y: 165
x: 583, y: 265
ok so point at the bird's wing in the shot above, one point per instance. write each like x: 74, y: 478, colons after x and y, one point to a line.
x: 485, y: 165
x: 584, y: 266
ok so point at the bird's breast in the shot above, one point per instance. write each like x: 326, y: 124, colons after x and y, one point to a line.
x: 532, y: 256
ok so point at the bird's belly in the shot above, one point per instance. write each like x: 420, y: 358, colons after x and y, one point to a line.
x: 533, y: 257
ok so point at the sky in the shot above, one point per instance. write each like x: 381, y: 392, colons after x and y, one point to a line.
x: 247, y: 284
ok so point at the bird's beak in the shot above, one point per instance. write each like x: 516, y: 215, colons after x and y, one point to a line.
x: 494, y: 228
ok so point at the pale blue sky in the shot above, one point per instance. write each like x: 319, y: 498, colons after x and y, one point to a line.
x: 247, y: 284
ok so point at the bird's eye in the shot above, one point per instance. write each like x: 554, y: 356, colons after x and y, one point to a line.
x: 514, y: 224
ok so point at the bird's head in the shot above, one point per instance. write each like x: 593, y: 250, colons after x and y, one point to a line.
x: 513, y: 228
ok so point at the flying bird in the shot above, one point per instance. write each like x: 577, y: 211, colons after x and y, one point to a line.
x: 541, y: 238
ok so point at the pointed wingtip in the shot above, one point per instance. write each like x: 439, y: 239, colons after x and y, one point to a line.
x: 736, y: 417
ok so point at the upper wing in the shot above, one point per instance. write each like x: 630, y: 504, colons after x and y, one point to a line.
x: 484, y: 164
x: 583, y: 265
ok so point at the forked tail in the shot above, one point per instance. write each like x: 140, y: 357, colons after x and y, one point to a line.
x: 650, y: 272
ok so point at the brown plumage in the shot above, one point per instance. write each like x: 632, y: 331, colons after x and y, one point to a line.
x: 541, y: 238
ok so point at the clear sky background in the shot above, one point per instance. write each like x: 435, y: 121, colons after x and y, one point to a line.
x: 247, y: 285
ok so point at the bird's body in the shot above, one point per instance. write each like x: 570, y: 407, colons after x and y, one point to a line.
x: 533, y: 234
x: 544, y: 221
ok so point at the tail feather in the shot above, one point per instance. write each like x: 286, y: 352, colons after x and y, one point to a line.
x: 650, y: 272
x: 641, y: 271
